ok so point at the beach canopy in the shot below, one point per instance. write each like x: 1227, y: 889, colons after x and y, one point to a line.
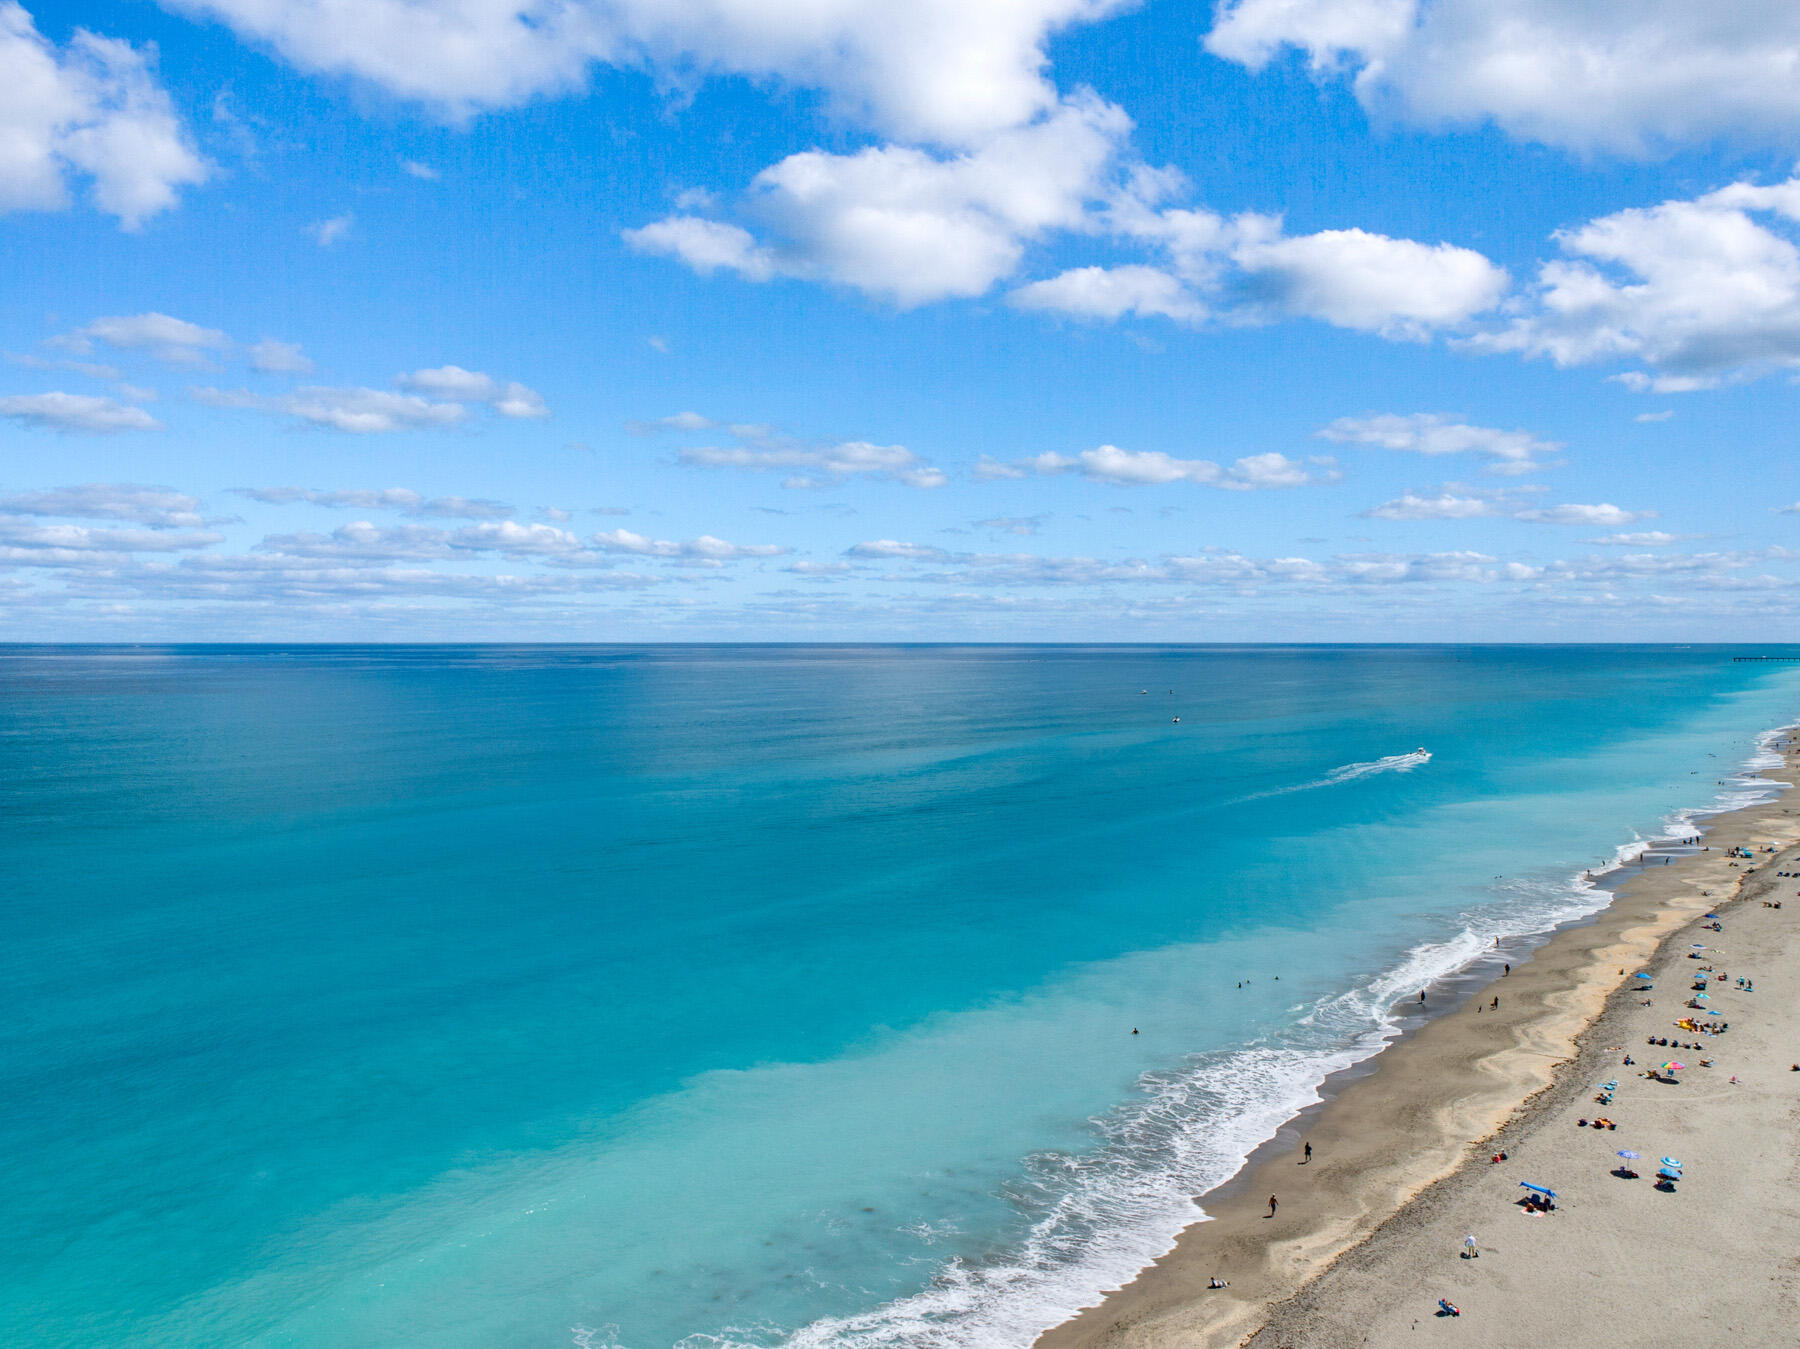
x: 1527, y: 1185
x: 1670, y: 1161
x: 1641, y: 974
x: 1630, y: 1154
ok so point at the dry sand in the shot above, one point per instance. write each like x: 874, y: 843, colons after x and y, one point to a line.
x: 1368, y: 1234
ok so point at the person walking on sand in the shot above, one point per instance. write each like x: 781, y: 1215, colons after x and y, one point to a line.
x: 1273, y: 1205
x: 1308, y: 1153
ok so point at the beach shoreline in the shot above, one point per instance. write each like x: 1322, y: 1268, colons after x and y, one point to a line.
x: 1427, y: 1108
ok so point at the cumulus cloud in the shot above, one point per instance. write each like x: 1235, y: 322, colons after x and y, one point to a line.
x: 1624, y: 75
x: 172, y: 340
x: 1450, y: 505
x: 1703, y: 292
x: 810, y: 464
x: 907, y: 225
x: 539, y: 541
x: 1442, y: 506
x: 417, y: 169
x: 361, y: 411
x: 401, y: 499
x: 282, y: 358
x: 155, y: 507
x: 706, y: 549
x: 1430, y: 433
x: 1139, y: 468
x: 75, y: 412
x: 1110, y: 293
x: 1605, y: 514
x: 1652, y: 538
x: 932, y: 70
x: 94, y: 109
x: 1247, y: 269
x: 52, y: 545
x: 509, y: 398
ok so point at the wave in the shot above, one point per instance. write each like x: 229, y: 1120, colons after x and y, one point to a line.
x: 1350, y: 772
x: 1099, y: 1217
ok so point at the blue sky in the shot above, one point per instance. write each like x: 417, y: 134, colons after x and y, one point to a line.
x: 986, y: 320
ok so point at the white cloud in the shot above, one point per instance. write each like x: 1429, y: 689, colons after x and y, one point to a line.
x: 1443, y: 506
x: 1430, y: 433
x: 52, y: 541
x: 1354, y: 279
x: 92, y: 369
x: 1701, y: 291
x: 172, y: 340
x: 355, y: 410
x: 156, y: 507
x: 284, y: 358
x: 1246, y: 269
x: 401, y: 499
x: 1453, y: 505
x: 1139, y: 468
x: 1627, y: 75
x: 932, y: 70
x: 92, y: 108
x: 510, y: 399
x: 1653, y: 538
x: 1605, y: 515
x: 906, y: 225
x: 1110, y: 293
x: 325, y: 233
x: 76, y: 412
x: 419, y: 170
x: 1654, y: 416
x: 705, y: 245
x: 705, y: 549
x: 815, y: 465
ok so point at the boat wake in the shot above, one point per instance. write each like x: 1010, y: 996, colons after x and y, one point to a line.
x: 1352, y: 772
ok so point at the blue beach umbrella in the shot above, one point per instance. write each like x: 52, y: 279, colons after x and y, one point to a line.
x: 1629, y: 1154
x: 1527, y: 1185
x: 1670, y: 1161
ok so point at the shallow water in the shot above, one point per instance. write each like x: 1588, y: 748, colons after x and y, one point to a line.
x: 491, y: 996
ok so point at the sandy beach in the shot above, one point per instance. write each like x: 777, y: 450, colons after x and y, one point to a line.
x: 1370, y: 1232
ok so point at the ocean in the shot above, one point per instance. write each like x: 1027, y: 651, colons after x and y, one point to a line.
x: 744, y: 996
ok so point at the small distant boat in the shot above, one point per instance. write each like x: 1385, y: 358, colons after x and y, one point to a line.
x: 1178, y: 721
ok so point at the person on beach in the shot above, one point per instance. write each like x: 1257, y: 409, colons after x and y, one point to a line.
x: 1495, y: 1004
x: 1272, y: 1205
x: 1308, y: 1154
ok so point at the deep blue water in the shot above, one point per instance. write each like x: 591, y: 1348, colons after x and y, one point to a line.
x: 550, y: 996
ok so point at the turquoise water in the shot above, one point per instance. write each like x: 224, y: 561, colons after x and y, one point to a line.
x: 756, y: 995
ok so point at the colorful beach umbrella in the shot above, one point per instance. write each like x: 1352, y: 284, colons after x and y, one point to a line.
x: 1673, y: 1067
x: 1670, y: 1161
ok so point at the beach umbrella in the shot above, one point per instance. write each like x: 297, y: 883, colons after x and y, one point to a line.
x: 1630, y: 1154
x: 1527, y: 1185
x: 1671, y: 1162
x: 1673, y: 1067
x: 1642, y: 974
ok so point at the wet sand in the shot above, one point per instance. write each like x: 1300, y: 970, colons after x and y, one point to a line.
x: 1367, y: 1234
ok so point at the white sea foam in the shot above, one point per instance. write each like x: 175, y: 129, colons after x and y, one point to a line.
x: 1101, y: 1216
x: 1350, y: 772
